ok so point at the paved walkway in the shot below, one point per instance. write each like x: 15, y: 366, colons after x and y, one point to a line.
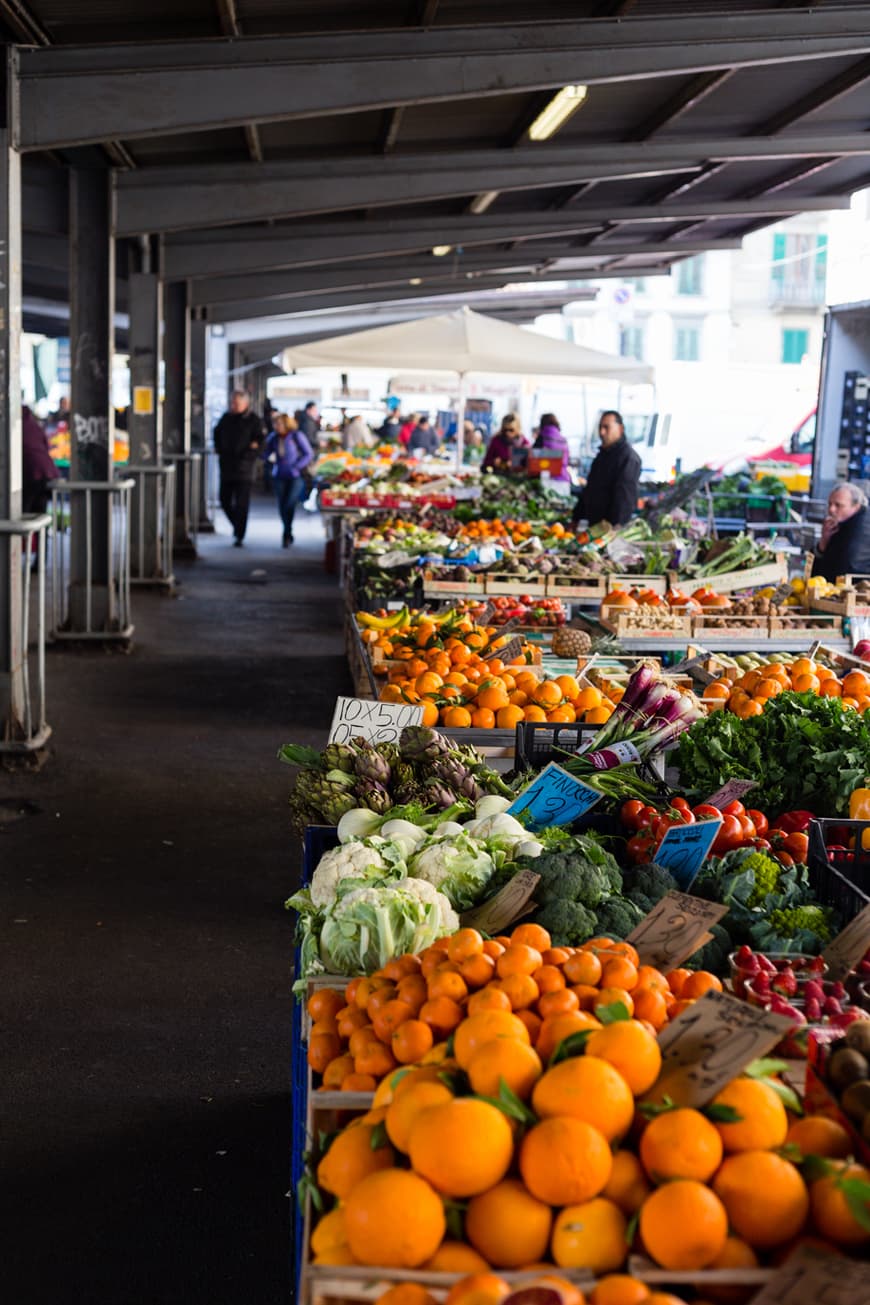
x: 144, y: 976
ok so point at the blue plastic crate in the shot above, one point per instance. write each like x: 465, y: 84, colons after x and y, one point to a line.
x: 316, y: 840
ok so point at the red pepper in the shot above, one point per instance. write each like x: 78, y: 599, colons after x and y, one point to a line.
x: 794, y: 822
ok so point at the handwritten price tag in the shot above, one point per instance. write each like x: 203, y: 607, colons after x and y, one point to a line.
x: 711, y: 1042
x: 554, y: 798
x: 810, y: 1277
x: 674, y: 929
x: 379, y: 722
x: 513, y: 648
x: 512, y: 901
x: 845, y: 951
x: 733, y: 791
x: 684, y: 847
x: 389, y: 560
x: 617, y: 754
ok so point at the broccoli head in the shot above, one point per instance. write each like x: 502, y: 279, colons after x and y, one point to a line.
x: 617, y: 916
x: 648, y: 884
x: 713, y: 956
x: 570, y: 876
x: 568, y: 923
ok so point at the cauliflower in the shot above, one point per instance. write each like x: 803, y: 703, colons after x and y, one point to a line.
x: 348, y: 861
x: 460, y: 867
x: 427, y: 893
x: 368, y: 926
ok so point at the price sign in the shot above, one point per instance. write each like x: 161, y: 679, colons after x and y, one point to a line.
x: 674, y: 929
x: 554, y: 798
x: 487, y: 554
x: 733, y: 791
x: 512, y: 901
x: 387, y: 561
x: 484, y: 617
x: 810, y: 1277
x: 711, y: 1042
x: 684, y: 847
x: 513, y: 648
x: 617, y: 754
x: 379, y: 722
x: 845, y: 951
x: 508, y: 625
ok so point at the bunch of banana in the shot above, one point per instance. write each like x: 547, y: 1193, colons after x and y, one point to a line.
x: 392, y: 621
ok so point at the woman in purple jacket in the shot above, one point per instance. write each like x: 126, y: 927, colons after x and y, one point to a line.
x: 551, y: 440
x: 287, y: 454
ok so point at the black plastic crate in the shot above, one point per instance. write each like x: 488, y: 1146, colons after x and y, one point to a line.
x: 540, y: 742
x: 840, y: 879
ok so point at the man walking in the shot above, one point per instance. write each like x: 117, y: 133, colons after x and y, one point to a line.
x: 610, y: 493
x: 309, y: 423
x: 237, y: 438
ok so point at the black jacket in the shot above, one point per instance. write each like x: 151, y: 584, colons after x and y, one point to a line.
x: 848, y: 551
x: 610, y: 493
x: 233, y: 436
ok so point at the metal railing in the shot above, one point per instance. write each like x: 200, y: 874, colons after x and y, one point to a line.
x: 34, y: 733
x: 187, y: 511
x: 796, y: 294
x: 104, y: 618
x: 153, y: 531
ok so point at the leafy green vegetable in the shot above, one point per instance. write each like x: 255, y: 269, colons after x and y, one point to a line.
x: 648, y: 884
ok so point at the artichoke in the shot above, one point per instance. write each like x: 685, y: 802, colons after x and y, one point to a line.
x: 371, y: 765
x: 419, y: 743
x: 389, y: 752
x: 411, y: 792
x: 373, y: 795
x: 452, y: 770
x: 436, y: 793
x: 469, y: 788
x: 338, y: 756
x: 404, y: 775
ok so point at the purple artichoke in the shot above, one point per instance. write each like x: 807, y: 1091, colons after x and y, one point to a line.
x: 373, y: 795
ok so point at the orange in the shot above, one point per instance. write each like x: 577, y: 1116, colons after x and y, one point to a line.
x: 521, y: 988
x: 428, y: 682
x: 505, y: 1060
x: 404, y: 1109
x: 353, y: 1082
x: 735, y: 1254
x: 393, y: 1218
x: 464, y: 944
x: 619, y: 1289
x: 478, y: 1289
x: 489, y: 998
x: 583, y: 967
x: 720, y: 689
x: 531, y: 935
x: 413, y: 991
x: 564, y: 1160
x: 483, y: 1027
x: 618, y: 972
x: 649, y: 977
x: 765, y: 1196
x: 322, y: 1048
x: 650, y: 1006
x: 548, y: 694
x: 406, y: 1293
x: 483, y: 718
x: 629, y: 1048
x: 590, y: 1236
x: 763, y: 1123
x: 681, y: 1144
x: 351, y: 1158
x: 461, y: 1147
x: 534, y: 713
x: 555, y: 1028
x: 677, y: 980
x: 532, y: 1022
x: 589, y: 1089
x: 816, y: 1135
x: 751, y: 707
x: 325, y: 1003
x: 614, y: 997
x: 387, y: 1019
x: 430, y: 713
x: 569, y: 686
x: 587, y: 699
x: 477, y: 971
x: 337, y: 1071
x: 330, y: 1231
x: 830, y: 1208
x: 562, y: 715
x: 627, y: 1185
x: 518, y: 958
x: 856, y: 684
x: 768, y: 688
x: 447, y: 983
x: 492, y: 694
x: 700, y: 982
x: 831, y: 688
x: 561, y: 1001
x: 375, y: 1059
x: 457, y: 717
x: 507, y: 717
x: 455, y: 1257
x: 683, y: 1225
x: 442, y: 1015
x: 806, y: 684
x: 335, y: 1255
x: 508, y: 1226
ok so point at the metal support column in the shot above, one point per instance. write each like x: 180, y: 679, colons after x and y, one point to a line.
x: 198, y: 442
x: 145, y: 306
x: 12, y: 655
x: 217, y: 384
x: 176, y: 413
x: 92, y: 307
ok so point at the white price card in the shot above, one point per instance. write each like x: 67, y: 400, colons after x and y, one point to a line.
x: 810, y: 1277
x: 685, y: 847
x: 553, y: 798
x: 734, y: 791
x: 387, y: 561
x: 379, y: 722
x: 845, y: 951
x: 512, y: 901
x: 711, y: 1042
x: 674, y: 929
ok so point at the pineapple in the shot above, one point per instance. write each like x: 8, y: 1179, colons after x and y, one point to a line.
x: 570, y: 643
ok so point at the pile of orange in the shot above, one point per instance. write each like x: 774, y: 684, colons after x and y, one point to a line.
x: 404, y: 1014
x: 541, y: 1286
x: 746, y: 694
x: 513, y: 531
x: 548, y: 1160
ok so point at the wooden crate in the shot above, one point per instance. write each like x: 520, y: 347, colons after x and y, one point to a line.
x: 811, y: 625
x: 454, y: 588
x: 618, y: 623
x: 515, y: 585
x: 845, y: 604
x: 755, y: 577
x: 657, y: 583
x: 593, y: 587
x: 726, y: 625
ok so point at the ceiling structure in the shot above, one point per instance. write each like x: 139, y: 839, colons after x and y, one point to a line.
x: 301, y: 159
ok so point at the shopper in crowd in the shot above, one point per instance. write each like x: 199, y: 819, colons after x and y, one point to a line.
x: 37, y: 467
x: 424, y: 438
x: 551, y: 440
x: 61, y: 413
x: 505, y: 444
x: 287, y: 453
x: 237, y: 439
x: 309, y: 423
x: 355, y: 434
x: 407, y: 428
x: 389, y: 429
x: 610, y: 493
x: 844, y: 548
x: 472, y: 452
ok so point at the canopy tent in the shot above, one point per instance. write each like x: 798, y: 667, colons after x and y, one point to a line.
x: 462, y: 342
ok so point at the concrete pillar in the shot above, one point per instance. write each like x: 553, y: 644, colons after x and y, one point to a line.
x: 92, y: 306
x: 198, y: 431
x: 176, y: 408
x: 12, y: 654
x: 145, y: 425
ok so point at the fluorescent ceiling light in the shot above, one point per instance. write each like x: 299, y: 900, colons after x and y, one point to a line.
x: 481, y: 202
x: 440, y: 250
x: 416, y: 280
x: 557, y: 112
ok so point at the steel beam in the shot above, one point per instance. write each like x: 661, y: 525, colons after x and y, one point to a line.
x: 184, y: 198
x: 77, y: 95
x: 570, y: 262
x: 176, y: 409
x: 145, y: 424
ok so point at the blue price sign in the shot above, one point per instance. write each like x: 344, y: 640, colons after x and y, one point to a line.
x: 554, y: 798
x: 684, y: 847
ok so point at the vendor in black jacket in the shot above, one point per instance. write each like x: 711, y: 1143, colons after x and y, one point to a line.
x: 844, y: 548
x: 610, y: 493
x: 237, y: 439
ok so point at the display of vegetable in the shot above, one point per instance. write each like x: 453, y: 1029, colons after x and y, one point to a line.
x: 803, y: 751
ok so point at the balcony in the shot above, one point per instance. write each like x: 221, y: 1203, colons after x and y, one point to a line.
x: 796, y: 294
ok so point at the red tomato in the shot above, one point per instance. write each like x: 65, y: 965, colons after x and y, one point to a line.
x: 630, y: 813
x: 729, y: 836
x: 641, y: 846
x: 733, y: 809
x: 706, y: 812
x: 647, y: 817
x: 748, y: 827
x: 783, y: 858
x: 665, y: 822
x: 762, y: 844
x: 798, y: 846
x: 680, y: 804
x: 759, y: 819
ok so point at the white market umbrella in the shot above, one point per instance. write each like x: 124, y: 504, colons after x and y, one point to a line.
x: 463, y: 342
